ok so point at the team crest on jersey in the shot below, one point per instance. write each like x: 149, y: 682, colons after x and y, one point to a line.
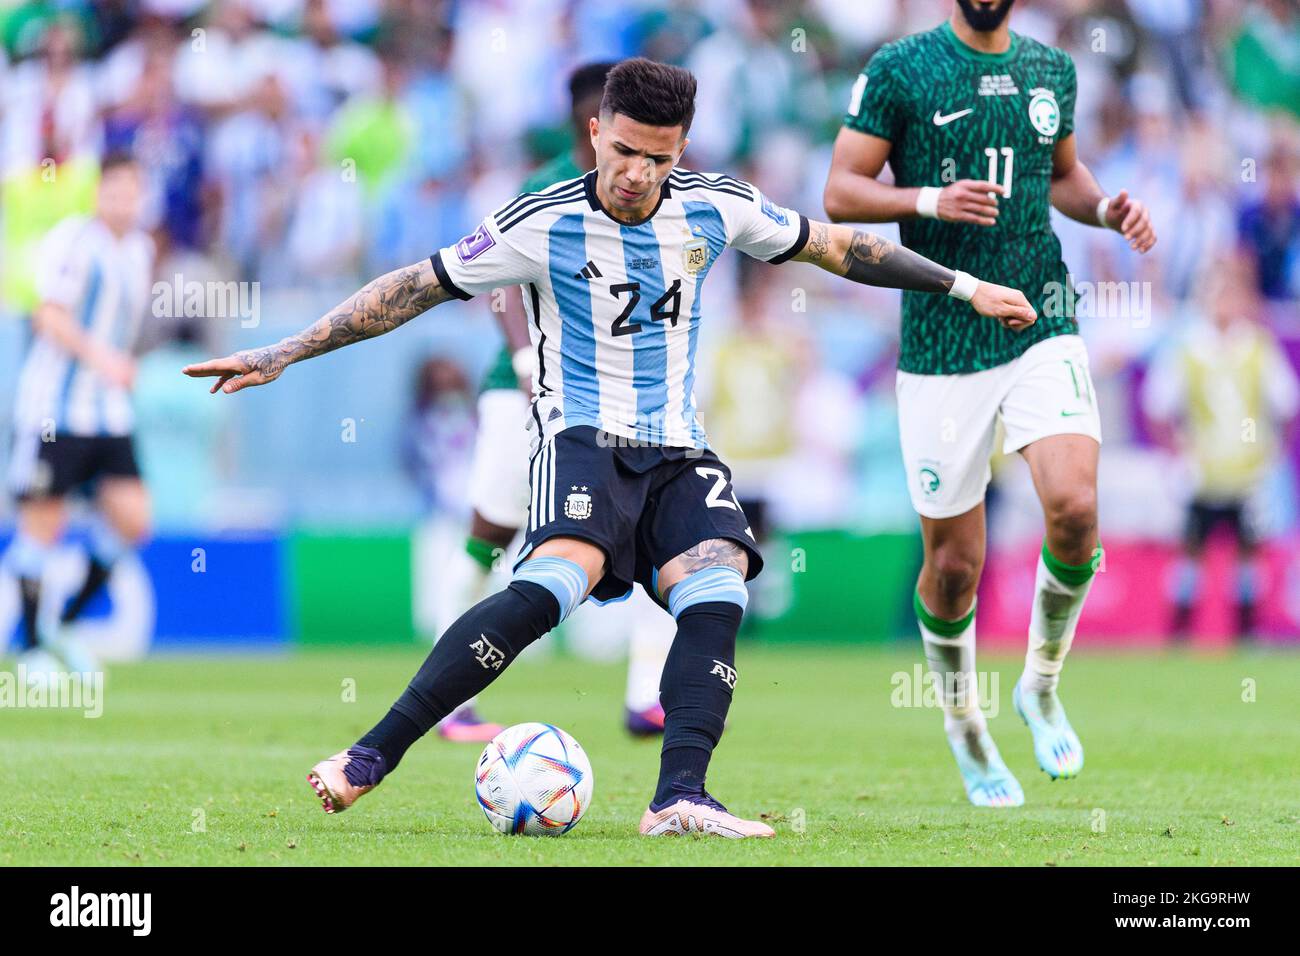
x: 1044, y: 113
x: 475, y: 244
x: 695, y: 254
x: 578, y: 505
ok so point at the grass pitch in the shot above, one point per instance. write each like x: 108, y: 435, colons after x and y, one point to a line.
x: 202, y: 761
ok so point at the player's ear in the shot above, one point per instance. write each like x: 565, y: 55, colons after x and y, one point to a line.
x: 593, y: 127
x: 681, y: 149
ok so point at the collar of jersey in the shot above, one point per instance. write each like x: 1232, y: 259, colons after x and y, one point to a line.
x: 589, y: 182
x: 972, y: 54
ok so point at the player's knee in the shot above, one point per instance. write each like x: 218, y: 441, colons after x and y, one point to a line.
x: 1072, y: 516
x: 956, y: 574
x: 498, y: 536
x: 136, y: 529
x: 705, y: 556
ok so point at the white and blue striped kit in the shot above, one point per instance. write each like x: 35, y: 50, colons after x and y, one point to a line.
x: 104, y: 282
x: 614, y: 307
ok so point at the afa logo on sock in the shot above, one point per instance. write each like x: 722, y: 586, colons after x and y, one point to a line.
x: 486, y: 654
x: 724, y: 671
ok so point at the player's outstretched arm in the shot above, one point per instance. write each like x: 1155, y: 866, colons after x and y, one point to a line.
x: 867, y: 258
x: 380, y: 306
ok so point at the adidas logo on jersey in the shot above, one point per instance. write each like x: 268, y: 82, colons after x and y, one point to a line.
x: 589, y: 271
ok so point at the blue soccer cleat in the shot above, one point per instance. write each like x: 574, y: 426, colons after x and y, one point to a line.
x: 988, y: 781
x: 1056, y: 745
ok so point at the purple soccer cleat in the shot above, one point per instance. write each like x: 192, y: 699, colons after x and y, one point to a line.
x: 463, y: 725
x: 645, y: 723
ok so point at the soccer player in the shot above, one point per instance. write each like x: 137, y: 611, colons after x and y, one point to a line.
x: 624, y: 487
x: 1226, y: 396
x: 990, y: 113
x: 73, y: 416
x: 499, y: 482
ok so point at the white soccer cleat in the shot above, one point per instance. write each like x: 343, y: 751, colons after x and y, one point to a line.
x: 1056, y: 745
x: 987, y: 779
x: 700, y: 815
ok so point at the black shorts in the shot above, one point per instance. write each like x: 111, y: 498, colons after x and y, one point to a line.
x: 641, y: 504
x: 52, y: 469
x: 1204, y: 516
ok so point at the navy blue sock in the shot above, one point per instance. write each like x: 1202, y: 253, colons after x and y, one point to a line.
x: 696, y: 688
x: 30, y: 590
x: 470, y: 655
x: 97, y: 573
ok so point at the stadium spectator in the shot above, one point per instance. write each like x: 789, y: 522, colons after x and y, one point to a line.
x: 1270, y: 226
x: 1224, y: 396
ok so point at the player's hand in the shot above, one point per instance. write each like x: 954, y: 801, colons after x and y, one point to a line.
x: 970, y: 200
x: 1131, y: 219
x: 1008, y: 306
x: 241, y: 370
x: 116, y: 368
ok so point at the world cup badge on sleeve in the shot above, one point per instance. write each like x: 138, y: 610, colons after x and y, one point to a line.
x: 475, y: 244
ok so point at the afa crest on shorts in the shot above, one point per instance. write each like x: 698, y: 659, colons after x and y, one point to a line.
x: 1044, y: 113
x: 578, y: 505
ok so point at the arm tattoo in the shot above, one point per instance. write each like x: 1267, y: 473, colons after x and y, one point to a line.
x: 378, y: 307
x: 716, y: 552
x: 875, y: 261
x: 819, y: 242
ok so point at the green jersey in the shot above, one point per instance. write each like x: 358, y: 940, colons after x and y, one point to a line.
x: 950, y: 113
x: 501, y: 374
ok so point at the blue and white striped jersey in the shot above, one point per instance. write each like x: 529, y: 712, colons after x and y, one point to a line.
x: 614, y: 307
x: 104, y: 282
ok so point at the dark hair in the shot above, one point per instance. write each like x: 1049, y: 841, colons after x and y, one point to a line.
x: 115, y: 159
x: 587, y: 80
x: 652, y: 93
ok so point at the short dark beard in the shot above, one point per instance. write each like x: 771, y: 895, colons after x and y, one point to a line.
x: 981, y: 20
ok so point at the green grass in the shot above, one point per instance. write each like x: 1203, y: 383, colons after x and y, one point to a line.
x: 202, y: 761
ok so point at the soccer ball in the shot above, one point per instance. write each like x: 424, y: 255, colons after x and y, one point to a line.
x: 533, y: 779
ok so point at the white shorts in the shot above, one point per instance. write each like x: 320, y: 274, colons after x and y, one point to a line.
x: 948, y: 423
x: 499, y: 474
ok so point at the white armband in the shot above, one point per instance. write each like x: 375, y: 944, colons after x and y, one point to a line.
x: 964, y: 286
x: 927, y: 202
x: 1103, y: 207
x: 524, y: 362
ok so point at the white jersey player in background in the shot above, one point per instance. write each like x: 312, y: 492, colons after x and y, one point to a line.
x: 73, y: 413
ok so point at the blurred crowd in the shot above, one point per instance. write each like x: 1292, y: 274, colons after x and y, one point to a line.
x: 310, y: 144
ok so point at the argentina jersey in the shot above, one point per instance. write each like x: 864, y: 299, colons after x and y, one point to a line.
x: 614, y: 307
x: 104, y: 283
